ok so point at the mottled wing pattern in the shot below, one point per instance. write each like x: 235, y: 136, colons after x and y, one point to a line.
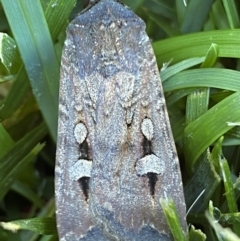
x: 71, y: 188
x: 116, y: 155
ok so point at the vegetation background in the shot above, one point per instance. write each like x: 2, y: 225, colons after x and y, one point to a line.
x: 197, y: 46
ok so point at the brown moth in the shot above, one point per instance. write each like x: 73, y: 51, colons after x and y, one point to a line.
x: 115, y: 153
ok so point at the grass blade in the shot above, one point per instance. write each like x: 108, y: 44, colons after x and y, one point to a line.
x: 197, y: 45
x: 31, y: 33
x: 202, y: 132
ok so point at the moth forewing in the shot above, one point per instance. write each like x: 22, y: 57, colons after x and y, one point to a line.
x: 115, y: 154
x: 73, y: 219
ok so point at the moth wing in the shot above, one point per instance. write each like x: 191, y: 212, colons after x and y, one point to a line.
x: 160, y: 159
x: 134, y: 156
x: 73, y: 164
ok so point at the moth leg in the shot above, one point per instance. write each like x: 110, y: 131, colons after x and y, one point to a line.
x: 150, y: 164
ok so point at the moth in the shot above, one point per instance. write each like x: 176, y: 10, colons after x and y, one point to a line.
x: 115, y: 152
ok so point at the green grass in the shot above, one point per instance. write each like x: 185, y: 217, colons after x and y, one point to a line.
x: 201, y: 82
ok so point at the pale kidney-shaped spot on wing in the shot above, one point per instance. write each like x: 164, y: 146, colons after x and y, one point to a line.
x: 82, y: 168
x: 150, y: 164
